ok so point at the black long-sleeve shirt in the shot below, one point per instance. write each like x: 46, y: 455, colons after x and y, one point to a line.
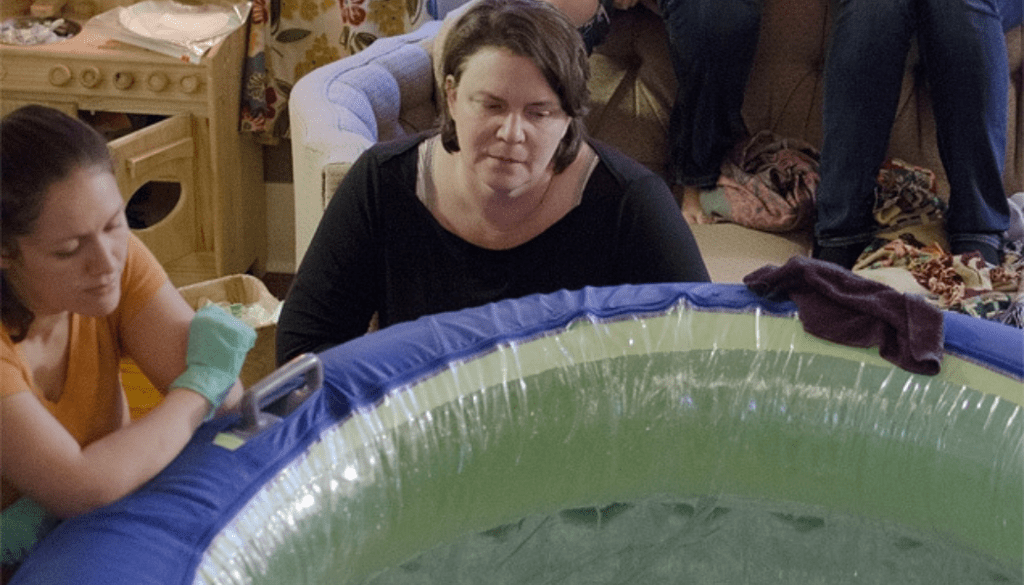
x: 379, y: 249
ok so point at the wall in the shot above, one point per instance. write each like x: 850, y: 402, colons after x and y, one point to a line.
x: 277, y: 176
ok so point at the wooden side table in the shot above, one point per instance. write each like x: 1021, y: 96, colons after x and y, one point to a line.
x: 218, y: 224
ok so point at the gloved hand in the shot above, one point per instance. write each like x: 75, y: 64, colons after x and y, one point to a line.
x: 23, y: 524
x: 217, y: 344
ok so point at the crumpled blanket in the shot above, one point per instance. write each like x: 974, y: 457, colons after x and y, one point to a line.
x: 906, y: 195
x: 957, y: 282
x: 840, y: 306
x: 766, y: 183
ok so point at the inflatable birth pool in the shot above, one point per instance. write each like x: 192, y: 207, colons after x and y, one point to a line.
x: 638, y: 434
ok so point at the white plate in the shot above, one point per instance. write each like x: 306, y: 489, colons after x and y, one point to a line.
x: 171, y: 21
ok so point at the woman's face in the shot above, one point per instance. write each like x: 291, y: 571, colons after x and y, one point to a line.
x: 508, y: 120
x: 73, y: 259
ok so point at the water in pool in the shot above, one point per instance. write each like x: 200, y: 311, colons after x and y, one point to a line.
x: 704, y: 541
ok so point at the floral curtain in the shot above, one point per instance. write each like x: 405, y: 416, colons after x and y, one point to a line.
x: 289, y: 38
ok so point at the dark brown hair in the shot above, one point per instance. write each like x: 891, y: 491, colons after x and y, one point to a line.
x: 39, y: 146
x: 533, y: 29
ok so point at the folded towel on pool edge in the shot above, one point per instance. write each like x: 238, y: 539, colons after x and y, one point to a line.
x: 836, y: 304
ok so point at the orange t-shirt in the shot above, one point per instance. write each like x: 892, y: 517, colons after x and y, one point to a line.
x: 92, y: 403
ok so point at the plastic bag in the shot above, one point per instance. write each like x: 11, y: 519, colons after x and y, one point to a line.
x: 183, y: 31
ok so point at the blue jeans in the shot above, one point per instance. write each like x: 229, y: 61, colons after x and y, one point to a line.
x: 963, y: 53
x: 597, y: 28
x: 712, y: 46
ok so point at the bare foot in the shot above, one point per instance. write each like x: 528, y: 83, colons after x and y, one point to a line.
x: 693, y: 213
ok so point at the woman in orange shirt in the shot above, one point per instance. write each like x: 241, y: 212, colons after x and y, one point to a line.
x: 79, y: 292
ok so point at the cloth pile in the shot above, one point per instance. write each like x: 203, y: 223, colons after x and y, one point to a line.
x: 956, y: 282
x: 767, y: 183
x: 906, y: 195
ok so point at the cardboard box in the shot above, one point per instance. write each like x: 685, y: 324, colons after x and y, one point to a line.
x: 248, y: 299
x: 243, y: 290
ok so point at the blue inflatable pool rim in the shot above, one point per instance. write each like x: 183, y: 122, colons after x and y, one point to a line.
x: 161, y: 533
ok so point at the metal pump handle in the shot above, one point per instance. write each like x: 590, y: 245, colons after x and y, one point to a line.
x: 275, y: 386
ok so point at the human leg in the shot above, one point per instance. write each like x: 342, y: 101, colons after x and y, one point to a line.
x: 964, y: 52
x: 864, y: 69
x: 712, y: 45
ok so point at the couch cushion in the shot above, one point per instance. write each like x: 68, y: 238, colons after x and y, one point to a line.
x: 380, y: 92
x: 632, y: 88
x: 731, y: 251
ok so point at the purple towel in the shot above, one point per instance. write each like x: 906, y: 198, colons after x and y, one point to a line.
x: 836, y: 304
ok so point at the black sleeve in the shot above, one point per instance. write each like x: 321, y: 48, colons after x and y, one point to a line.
x: 655, y: 241
x: 333, y: 295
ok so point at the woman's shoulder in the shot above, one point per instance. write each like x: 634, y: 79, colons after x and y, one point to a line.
x: 620, y: 164
x: 14, y: 370
x: 142, y: 266
x: 622, y: 175
x: 383, y: 168
x: 142, y: 278
x: 394, y: 161
x: 397, y: 147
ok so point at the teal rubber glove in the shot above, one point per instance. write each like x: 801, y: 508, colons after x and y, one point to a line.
x: 217, y: 344
x: 23, y: 524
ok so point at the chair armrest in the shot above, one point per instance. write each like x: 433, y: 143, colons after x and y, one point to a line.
x: 339, y: 110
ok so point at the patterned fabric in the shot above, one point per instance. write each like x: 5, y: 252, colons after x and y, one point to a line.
x: 767, y: 183
x: 905, y: 195
x: 957, y: 282
x: 289, y: 38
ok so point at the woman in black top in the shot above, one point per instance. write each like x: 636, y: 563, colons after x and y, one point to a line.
x: 509, y: 199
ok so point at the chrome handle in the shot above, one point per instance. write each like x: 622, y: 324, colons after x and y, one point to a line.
x: 276, y: 386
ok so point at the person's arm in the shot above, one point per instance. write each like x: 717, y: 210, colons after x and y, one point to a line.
x: 163, y: 362
x: 657, y: 244
x: 48, y: 465
x: 335, y: 290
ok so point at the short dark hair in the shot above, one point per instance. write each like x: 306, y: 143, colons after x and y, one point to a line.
x: 533, y: 29
x: 39, y: 146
